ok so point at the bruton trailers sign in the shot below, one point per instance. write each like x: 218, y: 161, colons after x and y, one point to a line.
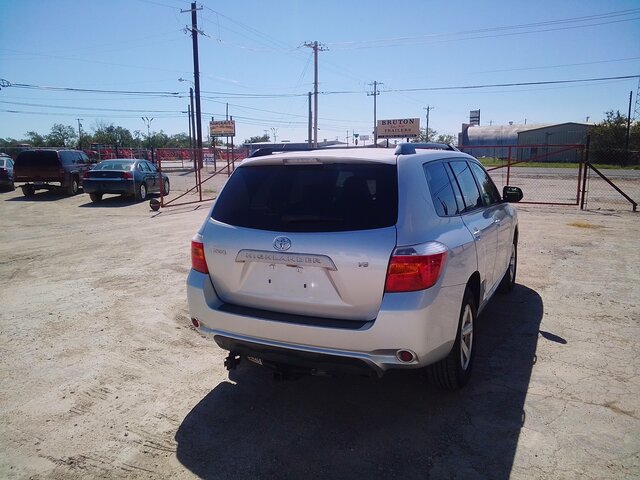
x: 399, y: 128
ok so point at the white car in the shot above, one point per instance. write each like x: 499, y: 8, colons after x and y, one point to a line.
x: 354, y: 260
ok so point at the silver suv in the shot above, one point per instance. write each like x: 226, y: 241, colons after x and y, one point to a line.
x: 352, y: 260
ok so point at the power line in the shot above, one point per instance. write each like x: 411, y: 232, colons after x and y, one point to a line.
x: 435, y: 36
x: 495, y: 85
x: 93, y: 90
x: 97, y: 109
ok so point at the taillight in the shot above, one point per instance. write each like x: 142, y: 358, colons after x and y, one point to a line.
x: 417, y: 267
x: 198, y: 262
x: 127, y: 175
x: 85, y: 175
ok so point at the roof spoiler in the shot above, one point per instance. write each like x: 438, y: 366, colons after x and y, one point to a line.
x: 410, y: 148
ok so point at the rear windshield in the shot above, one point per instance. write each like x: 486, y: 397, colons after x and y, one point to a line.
x: 330, y: 197
x: 40, y: 158
x: 114, y: 165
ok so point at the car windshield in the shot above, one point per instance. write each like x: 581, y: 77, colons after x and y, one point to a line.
x: 114, y: 165
x: 310, y: 198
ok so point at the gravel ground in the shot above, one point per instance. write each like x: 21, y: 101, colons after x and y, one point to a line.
x: 103, y: 376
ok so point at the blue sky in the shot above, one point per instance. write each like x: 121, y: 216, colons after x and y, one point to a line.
x: 252, y: 58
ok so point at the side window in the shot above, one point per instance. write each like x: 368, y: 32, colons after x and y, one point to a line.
x: 488, y: 189
x: 441, y: 190
x: 467, y: 184
x: 151, y: 167
x: 142, y: 167
x: 66, y: 158
x: 84, y: 158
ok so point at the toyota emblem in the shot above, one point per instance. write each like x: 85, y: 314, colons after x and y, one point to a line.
x: 282, y: 243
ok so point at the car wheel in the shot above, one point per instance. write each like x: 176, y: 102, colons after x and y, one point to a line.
x: 453, y: 372
x: 95, y: 197
x: 141, y: 193
x: 73, y: 187
x: 28, y: 190
x: 509, y: 280
x: 165, y: 190
x: 12, y: 187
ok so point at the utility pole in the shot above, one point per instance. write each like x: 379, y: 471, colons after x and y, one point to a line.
x: 428, y: 108
x: 79, y: 133
x: 375, y: 121
x: 275, y: 134
x: 189, y: 123
x: 316, y: 47
x: 628, y: 121
x: 309, y: 132
x: 196, y: 76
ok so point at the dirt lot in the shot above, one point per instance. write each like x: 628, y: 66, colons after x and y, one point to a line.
x: 103, y: 376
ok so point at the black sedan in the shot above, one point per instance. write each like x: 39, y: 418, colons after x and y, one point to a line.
x: 125, y: 176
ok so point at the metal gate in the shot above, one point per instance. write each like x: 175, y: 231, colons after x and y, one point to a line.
x: 547, y: 174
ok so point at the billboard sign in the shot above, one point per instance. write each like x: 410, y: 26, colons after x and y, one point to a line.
x: 474, y: 117
x: 399, y: 128
x: 222, y: 128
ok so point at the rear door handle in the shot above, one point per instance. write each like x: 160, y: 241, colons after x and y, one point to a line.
x: 476, y: 234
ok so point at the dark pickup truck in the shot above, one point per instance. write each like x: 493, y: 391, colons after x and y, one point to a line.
x: 49, y: 169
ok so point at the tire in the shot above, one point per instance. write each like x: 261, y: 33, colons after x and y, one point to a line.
x: 141, y: 192
x: 165, y: 189
x: 454, y: 371
x: 509, y: 280
x: 73, y: 187
x: 28, y: 190
x: 95, y: 197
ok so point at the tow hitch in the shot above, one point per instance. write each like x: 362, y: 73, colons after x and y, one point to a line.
x: 232, y: 361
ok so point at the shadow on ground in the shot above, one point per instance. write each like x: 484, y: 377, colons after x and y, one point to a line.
x: 355, y: 427
x: 114, y: 201
x: 42, y: 196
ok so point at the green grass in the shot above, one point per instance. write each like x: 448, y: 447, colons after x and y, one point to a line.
x: 496, y: 162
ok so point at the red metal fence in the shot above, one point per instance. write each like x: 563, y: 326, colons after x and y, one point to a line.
x: 547, y: 174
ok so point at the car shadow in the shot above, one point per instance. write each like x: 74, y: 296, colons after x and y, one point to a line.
x: 42, y: 196
x: 115, y: 201
x: 356, y: 427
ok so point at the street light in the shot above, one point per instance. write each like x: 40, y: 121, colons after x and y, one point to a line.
x: 148, y: 121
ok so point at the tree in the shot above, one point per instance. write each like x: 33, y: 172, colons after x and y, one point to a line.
x: 257, y: 139
x: 608, y: 139
x: 446, y: 138
x: 110, y: 135
x: 423, y: 137
x: 35, y: 139
x: 61, y: 136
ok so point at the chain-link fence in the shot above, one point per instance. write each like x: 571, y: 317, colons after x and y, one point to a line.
x: 190, y: 184
x: 613, y: 183
x: 547, y: 174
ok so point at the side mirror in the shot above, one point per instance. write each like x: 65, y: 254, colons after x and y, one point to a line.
x: 512, y: 194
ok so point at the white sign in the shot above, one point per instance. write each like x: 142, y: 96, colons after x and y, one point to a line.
x: 399, y: 128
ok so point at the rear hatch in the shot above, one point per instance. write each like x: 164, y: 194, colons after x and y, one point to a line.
x: 38, y: 166
x: 305, y: 238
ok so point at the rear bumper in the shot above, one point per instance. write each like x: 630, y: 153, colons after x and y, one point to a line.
x: 424, y: 323
x: 125, y: 187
